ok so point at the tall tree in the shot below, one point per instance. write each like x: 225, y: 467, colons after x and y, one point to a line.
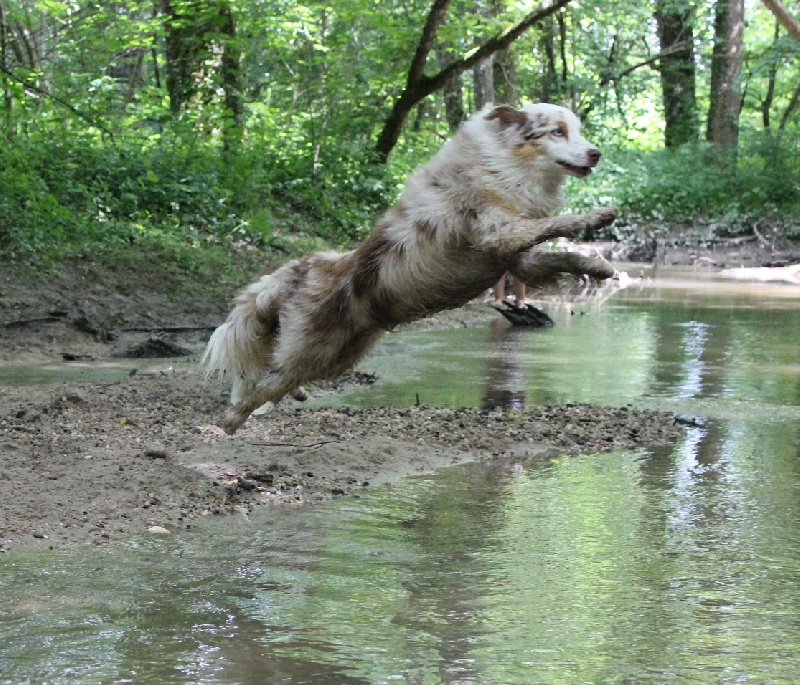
x: 504, y: 77
x: 547, y: 46
x: 726, y: 71
x: 677, y: 70
x: 493, y: 78
x: 7, y: 97
x: 419, y: 85
x: 772, y: 73
x: 453, y: 90
x: 195, y: 30
x: 483, y: 82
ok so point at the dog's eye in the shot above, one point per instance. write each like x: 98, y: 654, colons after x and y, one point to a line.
x: 558, y: 132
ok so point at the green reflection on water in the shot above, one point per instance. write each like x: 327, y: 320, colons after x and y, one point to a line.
x: 672, y: 566
x: 701, y: 357
x: 678, y: 565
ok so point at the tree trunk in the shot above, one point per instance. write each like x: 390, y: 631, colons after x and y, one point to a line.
x: 547, y: 46
x: 154, y: 48
x: 192, y: 28
x: 483, y: 82
x: 504, y: 78
x: 8, y: 101
x: 677, y: 70
x: 766, y: 103
x: 182, y: 48
x: 230, y: 74
x: 787, y: 113
x: 726, y: 71
x: 419, y: 86
x: 453, y: 91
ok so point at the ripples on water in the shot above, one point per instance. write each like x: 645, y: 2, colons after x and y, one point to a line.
x: 676, y: 565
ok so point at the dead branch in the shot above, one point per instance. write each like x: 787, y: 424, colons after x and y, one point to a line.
x: 310, y: 446
x: 21, y: 323
x: 787, y: 20
x: 166, y: 329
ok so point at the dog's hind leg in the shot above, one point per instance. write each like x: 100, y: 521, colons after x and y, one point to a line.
x: 271, y: 388
x: 299, y: 394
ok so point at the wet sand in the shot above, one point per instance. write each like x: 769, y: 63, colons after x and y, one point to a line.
x: 93, y: 462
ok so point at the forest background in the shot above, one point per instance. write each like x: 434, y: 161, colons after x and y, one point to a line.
x: 188, y: 127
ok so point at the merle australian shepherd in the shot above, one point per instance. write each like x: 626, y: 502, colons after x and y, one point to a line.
x: 477, y: 210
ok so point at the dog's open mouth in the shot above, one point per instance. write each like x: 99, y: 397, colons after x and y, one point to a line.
x: 575, y: 170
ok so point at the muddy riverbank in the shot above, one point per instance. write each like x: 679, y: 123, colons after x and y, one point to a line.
x: 92, y: 462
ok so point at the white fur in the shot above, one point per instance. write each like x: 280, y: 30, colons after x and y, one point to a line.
x: 475, y: 211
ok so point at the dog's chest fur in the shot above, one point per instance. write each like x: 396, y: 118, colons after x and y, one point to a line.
x: 423, y: 254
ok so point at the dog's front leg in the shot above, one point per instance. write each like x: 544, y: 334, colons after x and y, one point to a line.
x: 536, y: 268
x: 517, y: 234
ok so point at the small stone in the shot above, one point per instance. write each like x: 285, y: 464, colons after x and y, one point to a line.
x: 158, y: 530
x: 155, y: 454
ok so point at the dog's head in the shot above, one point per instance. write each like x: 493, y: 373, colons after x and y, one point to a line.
x: 545, y: 136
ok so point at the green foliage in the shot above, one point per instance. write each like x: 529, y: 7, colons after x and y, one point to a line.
x: 94, y: 158
x: 79, y: 194
x: 683, y: 184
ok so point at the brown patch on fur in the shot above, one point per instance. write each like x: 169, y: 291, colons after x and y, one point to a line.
x: 299, y: 272
x: 350, y: 354
x: 367, y: 261
x: 333, y: 306
x: 334, y: 303
x: 381, y: 309
x: 493, y: 198
x: 527, y: 151
x: 508, y: 116
x: 395, y: 214
x: 563, y: 125
x: 425, y: 229
x: 332, y: 270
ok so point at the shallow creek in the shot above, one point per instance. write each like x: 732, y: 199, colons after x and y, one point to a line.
x: 673, y: 565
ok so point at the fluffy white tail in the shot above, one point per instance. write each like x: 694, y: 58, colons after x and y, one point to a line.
x: 219, y: 356
x: 241, y: 347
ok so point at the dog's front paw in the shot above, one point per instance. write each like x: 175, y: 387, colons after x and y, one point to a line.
x: 600, y: 218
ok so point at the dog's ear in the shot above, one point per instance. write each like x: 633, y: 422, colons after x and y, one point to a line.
x: 507, y: 116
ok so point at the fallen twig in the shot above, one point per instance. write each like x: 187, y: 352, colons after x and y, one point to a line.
x: 313, y: 445
x: 19, y: 323
x: 166, y: 329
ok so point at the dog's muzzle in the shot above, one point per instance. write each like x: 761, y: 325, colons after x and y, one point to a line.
x: 592, y: 158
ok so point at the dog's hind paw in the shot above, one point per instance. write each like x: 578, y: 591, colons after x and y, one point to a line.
x: 233, y: 421
x: 299, y: 393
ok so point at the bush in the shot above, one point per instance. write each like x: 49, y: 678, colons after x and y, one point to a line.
x: 684, y: 184
x: 62, y: 194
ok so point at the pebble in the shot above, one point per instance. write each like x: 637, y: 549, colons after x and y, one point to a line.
x: 158, y: 530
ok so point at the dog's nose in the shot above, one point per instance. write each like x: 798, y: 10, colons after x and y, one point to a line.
x: 594, y: 156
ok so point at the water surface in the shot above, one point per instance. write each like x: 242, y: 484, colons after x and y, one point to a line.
x: 680, y: 564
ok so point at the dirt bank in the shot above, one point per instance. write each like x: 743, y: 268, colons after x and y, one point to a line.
x: 93, y: 462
